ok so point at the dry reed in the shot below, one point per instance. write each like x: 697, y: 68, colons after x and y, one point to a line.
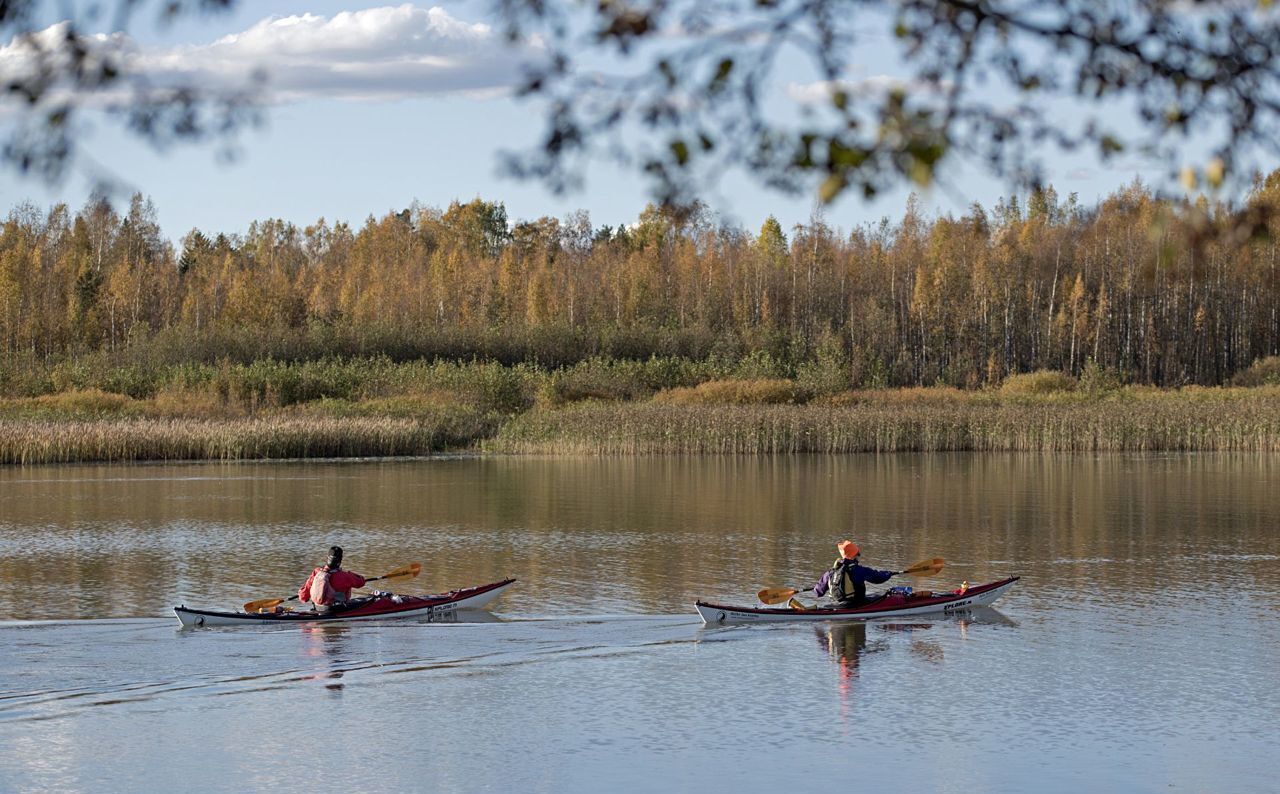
x: 43, y: 441
x: 1204, y: 420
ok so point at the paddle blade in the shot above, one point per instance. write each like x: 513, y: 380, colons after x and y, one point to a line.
x: 406, y: 572
x: 253, y: 607
x: 926, y: 567
x: 776, y: 595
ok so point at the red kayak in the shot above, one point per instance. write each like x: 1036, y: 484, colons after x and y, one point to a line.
x: 432, y: 607
x: 888, y: 605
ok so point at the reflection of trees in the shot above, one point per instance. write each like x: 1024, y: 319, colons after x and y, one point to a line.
x: 645, y: 535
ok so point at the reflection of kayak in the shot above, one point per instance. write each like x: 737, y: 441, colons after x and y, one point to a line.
x: 441, y: 607
x: 889, y: 605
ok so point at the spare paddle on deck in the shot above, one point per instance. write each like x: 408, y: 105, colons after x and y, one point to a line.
x: 408, y: 571
x: 776, y: 595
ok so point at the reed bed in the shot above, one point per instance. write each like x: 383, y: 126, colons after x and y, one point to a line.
x: 1159, y: 422
x: 149, y: 439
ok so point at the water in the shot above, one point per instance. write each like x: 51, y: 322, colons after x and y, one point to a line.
x: 1139, y: 652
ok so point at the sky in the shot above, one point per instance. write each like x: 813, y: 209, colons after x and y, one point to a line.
x: 378, y: 106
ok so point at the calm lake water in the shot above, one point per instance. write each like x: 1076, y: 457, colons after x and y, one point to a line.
x: 1140, y: 652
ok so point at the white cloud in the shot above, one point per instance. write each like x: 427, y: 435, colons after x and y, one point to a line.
x: 391, y: 52
x: 820, y: 92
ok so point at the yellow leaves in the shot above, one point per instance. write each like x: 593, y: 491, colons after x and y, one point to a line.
x: 1215, y: 172
x: 1214, y: 175
x: 831, y: 187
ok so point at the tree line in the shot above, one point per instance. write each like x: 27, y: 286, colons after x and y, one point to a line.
x: 1138, y: 285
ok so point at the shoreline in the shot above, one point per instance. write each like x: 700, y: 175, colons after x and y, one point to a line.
x: 922, y: 420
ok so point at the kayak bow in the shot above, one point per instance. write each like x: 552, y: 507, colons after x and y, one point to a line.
x: 431, y: 607
x: 889, y: 605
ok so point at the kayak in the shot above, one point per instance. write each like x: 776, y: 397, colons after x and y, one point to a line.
x: 440, y: 607
x: 890, y: 604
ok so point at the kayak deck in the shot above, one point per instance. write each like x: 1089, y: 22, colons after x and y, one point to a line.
x: 891, y: 605
x: 431, y: 607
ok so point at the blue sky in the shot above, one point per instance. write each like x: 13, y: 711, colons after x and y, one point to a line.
x: 349, y: 139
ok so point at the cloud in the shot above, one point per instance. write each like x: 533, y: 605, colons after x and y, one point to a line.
x: 386, y: 53
x: 820, y: 92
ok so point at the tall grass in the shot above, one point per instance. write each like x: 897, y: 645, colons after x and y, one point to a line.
x: 43, y: 441
x: 1193, y: 420
x: 378, y: 407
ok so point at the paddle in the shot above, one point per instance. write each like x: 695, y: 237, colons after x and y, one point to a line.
x: 408, y: 571
x: 776, y: 595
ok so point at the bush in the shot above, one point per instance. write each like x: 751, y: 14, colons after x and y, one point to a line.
x: 1040, y: 382
x: 1098, y: 380
x: 1263, y: 372
x: 76, y: 404
x: 607, y: 379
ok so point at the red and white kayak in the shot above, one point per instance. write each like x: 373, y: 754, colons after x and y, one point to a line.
x: 441, y: 607
x: 891, y: 605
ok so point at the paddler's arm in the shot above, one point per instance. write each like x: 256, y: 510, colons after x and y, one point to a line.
x: 875, y: 576
x: 304, y: 592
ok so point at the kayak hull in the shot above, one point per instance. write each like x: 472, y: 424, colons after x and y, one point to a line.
x: 433, y: 607
x: 888, y: 606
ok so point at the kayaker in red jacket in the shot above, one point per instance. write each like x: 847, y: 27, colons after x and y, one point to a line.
x: 853, y: 589
x: 329, y: 587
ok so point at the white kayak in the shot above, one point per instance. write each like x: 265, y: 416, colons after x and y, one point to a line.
x: 888, y: 605
x: 441, y: 607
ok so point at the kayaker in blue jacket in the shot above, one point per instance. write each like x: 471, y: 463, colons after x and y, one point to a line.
x: 846, y: 580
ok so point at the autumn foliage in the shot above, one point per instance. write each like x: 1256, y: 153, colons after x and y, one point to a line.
x: 95, y: 299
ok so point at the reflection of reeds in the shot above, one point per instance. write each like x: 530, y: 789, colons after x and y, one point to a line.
x: 42, y: 441
x: 1206, y: 420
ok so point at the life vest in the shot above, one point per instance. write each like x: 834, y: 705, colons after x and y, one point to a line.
x: 842, y: 586
x: 322, y: 593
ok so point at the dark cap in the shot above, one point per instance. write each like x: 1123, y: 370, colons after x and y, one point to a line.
x: 335, y: 556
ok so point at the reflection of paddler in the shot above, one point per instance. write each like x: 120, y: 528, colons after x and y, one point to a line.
x: 327, y: 642
x: 846, y: 643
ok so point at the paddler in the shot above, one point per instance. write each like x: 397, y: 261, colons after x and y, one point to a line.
x: 847, y: 579
x: 329, y: 587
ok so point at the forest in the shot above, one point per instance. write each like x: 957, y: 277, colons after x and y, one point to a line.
x: 1134, y: 286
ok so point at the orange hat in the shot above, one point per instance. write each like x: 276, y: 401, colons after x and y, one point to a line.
x: 848, y: 549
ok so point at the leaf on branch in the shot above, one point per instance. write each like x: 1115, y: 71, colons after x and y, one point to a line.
x: 831, y: 187
x: 681, y: 151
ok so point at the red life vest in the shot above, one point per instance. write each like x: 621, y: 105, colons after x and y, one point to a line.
x: 322, y: 593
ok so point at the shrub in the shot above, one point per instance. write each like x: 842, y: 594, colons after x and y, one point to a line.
x: 1263, y: 372
x: 1040, y: 382
x: 76, y: 404
x: 1098, y: 380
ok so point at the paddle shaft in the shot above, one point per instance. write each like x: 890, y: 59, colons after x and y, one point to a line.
x: 776, y: 595
x: 270, y: 603
x: 294, y: 597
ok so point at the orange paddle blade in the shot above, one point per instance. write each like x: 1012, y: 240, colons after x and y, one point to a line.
x: 776, y: 595
x: 411, y: 570
x: 926, y: 567
x: 252, y: 607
